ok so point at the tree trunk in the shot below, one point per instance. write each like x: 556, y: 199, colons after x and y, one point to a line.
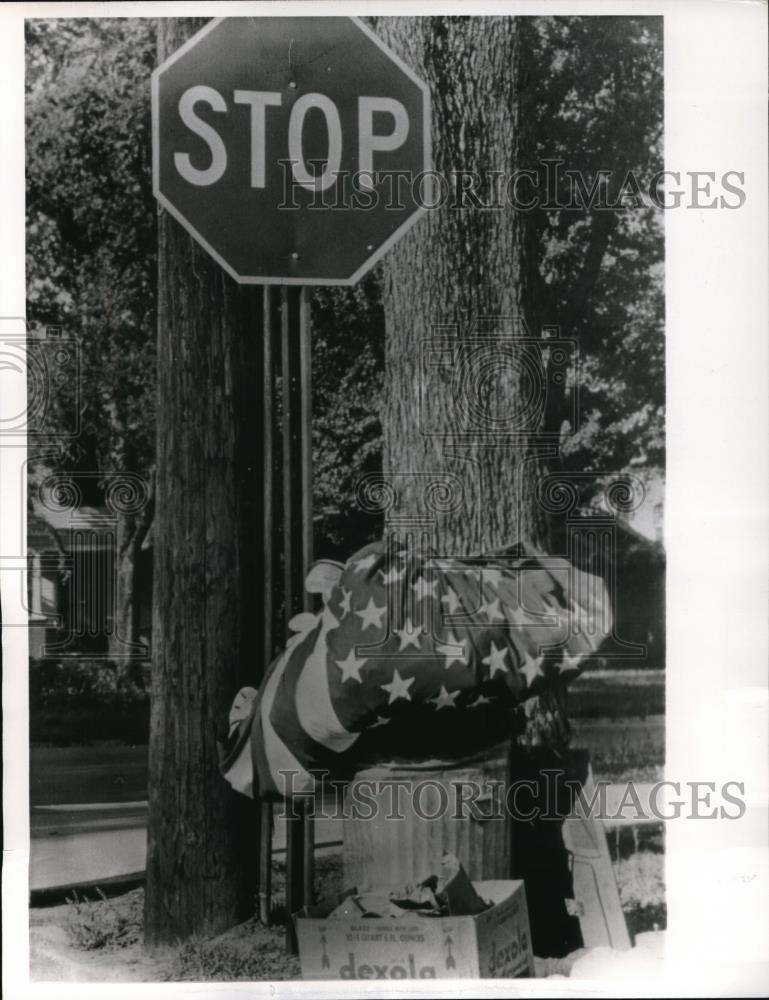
x: 124, y: 634
x: 201, y: 838
x: 124, y: 647
x: 465, y: 397
x: 469, y: 271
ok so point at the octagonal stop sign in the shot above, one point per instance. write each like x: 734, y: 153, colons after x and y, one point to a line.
x: 294, y: 150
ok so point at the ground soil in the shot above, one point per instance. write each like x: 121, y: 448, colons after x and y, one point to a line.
x: 101, y: 941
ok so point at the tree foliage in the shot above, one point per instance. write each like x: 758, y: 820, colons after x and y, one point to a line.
x: 599, y: 107
x: 348, y: 374
x: 91, y: 234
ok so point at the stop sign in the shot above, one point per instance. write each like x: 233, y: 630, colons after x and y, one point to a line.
x: 294, y: 150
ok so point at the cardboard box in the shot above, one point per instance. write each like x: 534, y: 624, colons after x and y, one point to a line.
x: 495, y: 944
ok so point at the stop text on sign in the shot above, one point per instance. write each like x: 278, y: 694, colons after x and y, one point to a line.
x: 369, y: 141
x: 260, y: 123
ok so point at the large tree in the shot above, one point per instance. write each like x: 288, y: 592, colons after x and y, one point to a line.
x: 575, y: 101
x: 202, y: 836
x: 462, y: 265
x: 470, y: 398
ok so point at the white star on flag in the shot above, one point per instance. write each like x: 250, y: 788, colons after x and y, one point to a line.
x: 344, y: 604
x: 451, y: 599
x: 496, y: 660
x: 530, y: 667
x: 363, y: 564
x: 398, y: 687
x: 508, y: 610
x: 570, y: 662
x: 444, y: 699
x: 350, y: 667
x: 408, y: 636
x: 371, y: 615
x: 424, y: 589
x: 445, y: 649
x: 515, y: 615
x: 394, y: 575
x: 493, y: 610
x: 380, y: 721
x: 480, y: 700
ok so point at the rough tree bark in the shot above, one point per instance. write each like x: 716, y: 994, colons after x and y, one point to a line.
x: 201, y: 839
x: 459, y: 264
x: 456, y: 266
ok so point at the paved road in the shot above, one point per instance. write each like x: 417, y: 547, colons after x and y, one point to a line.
x: 87, y: 856
x: 70, y: 847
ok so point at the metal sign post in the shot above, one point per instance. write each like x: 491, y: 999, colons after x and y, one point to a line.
x: 297, y: 546
x: 286, y: 333
x: 264, y: 889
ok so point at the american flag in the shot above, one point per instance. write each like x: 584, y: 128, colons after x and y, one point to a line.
x: 411, y: 654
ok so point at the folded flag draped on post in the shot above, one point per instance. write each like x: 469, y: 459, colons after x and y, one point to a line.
x: 411, y: 653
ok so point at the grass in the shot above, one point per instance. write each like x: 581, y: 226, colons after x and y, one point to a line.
x: 618, y: 754
x: 79, y: 725
x: 640, y: 879
x: 618, y: 694
x: 260, y: 955
x: 104, y: 924
x: 619, y: 717
x: 251, y: 952
x: 328, y: 882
